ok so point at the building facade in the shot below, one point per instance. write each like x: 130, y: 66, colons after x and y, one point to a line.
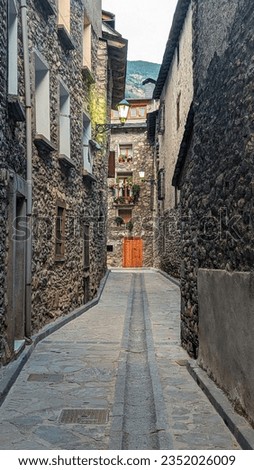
x: 214, y: 173
x: 58, y: 82
x: 131, y: 193
x: 174, y: 90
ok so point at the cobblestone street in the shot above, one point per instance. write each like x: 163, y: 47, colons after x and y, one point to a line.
x: 114, y: 378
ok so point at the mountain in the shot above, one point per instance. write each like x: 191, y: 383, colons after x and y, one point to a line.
x: 137, y: 72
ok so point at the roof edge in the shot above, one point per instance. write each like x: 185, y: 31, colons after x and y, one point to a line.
x: 173, y: 39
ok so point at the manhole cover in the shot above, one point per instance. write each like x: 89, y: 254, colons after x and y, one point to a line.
x: 56, y: 378
x: 84, y: 416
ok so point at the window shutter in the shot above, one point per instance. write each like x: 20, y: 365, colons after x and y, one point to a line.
x: 111, y: 164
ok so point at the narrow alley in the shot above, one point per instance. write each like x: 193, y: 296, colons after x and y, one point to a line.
x: 114, y: 378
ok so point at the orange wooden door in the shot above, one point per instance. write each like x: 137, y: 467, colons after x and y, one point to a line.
x: 132, y: 253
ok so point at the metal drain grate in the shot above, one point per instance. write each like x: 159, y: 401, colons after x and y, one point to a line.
x: 84, y: 416
x: 56, y: 378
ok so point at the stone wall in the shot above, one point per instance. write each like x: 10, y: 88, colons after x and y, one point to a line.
x: 2, y: 178
x: 176, y: 96
x: 217, y: 180
x: 226, y: 306
x: 84, y: 201
x: 58, y: 286
x: 12, y: 156
x: 142, y: 213
x: 168, y: 243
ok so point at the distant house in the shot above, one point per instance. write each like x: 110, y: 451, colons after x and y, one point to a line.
x: 131, y: 193
x: 57, y: 81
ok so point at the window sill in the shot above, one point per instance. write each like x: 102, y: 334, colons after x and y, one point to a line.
x: 124, y: 204
x: 87, y: 74
x: 66, y: 161
x: 61, y: 259
x: 43, y: 144
x: 65, y: 38
x: 89, y: 177
x: 95, y: 146
x: 15, y: 108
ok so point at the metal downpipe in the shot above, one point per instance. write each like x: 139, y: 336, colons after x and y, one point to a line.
x: 28, y: 294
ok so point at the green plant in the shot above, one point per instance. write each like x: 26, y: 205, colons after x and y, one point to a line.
x: 119, y: 221
x: 135, y: 191
x: 130, y: 225
x: 119, y: 200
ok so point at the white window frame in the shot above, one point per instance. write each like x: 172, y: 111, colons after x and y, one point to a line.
x: 12, y: 48
x: 64, y: 14
x: 42, y: 96
x: 87, y: 44
x: 64, y: 120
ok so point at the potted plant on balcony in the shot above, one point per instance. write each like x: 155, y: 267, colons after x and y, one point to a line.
x: 130, y: 225
x: 135, y: 191
x: 119, y: 221
x: 119, y: 200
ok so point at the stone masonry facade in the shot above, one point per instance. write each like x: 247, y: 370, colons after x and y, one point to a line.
x: 216, y: 182
x: 65, y: 197
x: 174, y: 90
x: 142, y: 215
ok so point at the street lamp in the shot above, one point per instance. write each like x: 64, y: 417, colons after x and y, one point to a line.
x: 123, y: 108
x: 142, y: 176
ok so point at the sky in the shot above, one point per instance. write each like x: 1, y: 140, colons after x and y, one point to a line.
x: 146, y: 25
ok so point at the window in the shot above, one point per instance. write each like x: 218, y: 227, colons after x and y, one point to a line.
x: 125, y: 214
x: 64, y: 123
x: 110, y: 248
x: 123, y: 192
x: 42, y: 99
x: 111, y: 164
x: 137, y: 112
x: 12, y: 48
x: 87, y: 45
x: 142, y: 112
x: 178, y: 54
x: 86, y: 246
x: 125, y: 153
x: 87, y: 154
x: 178, y: 111
x: 64, y: 24
x: 133, y: 112
x: 161, y: 119
x: 60, y: 231
x: 177, y: 197
x: 161, y: 184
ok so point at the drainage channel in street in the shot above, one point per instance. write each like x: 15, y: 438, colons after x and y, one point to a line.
x: 137, y: 414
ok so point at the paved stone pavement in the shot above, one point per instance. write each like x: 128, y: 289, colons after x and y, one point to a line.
x: 72, y: 392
